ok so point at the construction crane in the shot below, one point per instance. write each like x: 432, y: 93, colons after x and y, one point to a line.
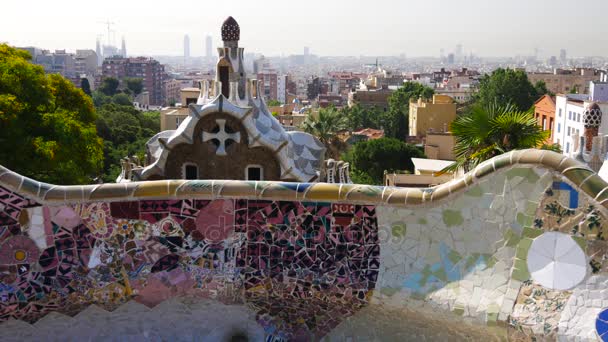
x: 108, y: 23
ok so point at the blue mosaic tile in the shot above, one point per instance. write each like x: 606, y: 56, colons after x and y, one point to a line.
x: 601, y: 325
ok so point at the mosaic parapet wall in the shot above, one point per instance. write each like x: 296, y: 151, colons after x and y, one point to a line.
x: 517, y: 246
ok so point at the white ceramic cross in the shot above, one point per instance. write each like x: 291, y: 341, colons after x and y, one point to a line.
x: 222, y: 136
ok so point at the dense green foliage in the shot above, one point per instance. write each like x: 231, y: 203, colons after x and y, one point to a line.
x: 125, y: 131
x: 109, y: 86
x: 369, y: 159
x: 488, y: 131
x: 134, y: 85
x: 273, y: 103
x: 394, y: 121
x: 325, y: 126
x: 508, y: 86
x: 47, y: 125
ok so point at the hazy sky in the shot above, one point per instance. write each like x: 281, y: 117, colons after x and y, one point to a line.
x: 329, y: 27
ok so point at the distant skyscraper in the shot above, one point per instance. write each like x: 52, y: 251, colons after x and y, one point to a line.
x: 563, y: 57
x: 306, y: 51
x: 98, y: 52
x: 186, y: 46
x: 451, y: 58
x: 458, y: 53
x: 209, y: 47
x: 123, y: 50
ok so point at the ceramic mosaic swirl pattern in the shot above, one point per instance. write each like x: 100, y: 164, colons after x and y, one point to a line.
x: 300, y: 261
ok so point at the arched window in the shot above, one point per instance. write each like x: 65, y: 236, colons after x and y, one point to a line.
x: 189, y: 171
x: 254, y: 173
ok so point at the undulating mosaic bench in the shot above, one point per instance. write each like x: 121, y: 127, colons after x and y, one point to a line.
x: 515, y: 248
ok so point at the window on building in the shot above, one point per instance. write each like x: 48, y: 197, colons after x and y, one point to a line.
x: 559, y: 127
x: 254, y: 173
x: 190, y: 171
x: 569, y: 131
x: 569, y: 115
x: 578, y: 117
x: 560, y: 112
x: 177, y: 122
x: 567, y: 147
x: 224, y: 78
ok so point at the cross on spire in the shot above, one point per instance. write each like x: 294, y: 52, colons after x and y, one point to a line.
x: 222, y: 136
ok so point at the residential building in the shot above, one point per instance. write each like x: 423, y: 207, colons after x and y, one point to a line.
x: 370, y: 98
x: 564, y: 81
x: 544, y: 112
x: 172, y: 117
x: 345, y: 81
x: 149, y: 70
x: 316, y: 86
x: 85, y: 62
x: 433, y: 116
x: 570, y: 110
x: 269, y: 82
x: 439, y: 145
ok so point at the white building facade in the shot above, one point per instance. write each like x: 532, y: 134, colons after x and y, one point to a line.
x: 569, y: 116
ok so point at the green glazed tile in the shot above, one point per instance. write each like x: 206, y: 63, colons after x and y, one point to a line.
x: 524, y: 172
x: 399, y: 230
x: 475, y: 191
x: 594, y: 185
x: 577, y: 176
x: 452, y: 218
x: 501, y: 161
x: 484, y: 170
x: 532, y: 233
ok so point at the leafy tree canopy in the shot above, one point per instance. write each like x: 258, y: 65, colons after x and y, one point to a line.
x: 125, y: 131
x: 369, y: 159
x: 394, y: 121
x: 508, y: 86
x: 47, y: 125
x: 135, y: 85
x: 109, y: 86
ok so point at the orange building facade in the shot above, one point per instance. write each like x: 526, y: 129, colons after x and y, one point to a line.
x: 544, y: 112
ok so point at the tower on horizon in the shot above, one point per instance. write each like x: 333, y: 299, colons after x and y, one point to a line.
x: 186, y: 46
x: 98, y: 52
x: 123, y: 50
x: 208, y: 47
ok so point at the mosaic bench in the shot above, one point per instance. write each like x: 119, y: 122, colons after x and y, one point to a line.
x: 515, y: 249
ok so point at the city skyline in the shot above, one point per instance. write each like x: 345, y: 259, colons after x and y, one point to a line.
x: 413, y: 29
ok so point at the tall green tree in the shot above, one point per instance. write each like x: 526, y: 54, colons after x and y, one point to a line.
x: 488, y: 131
x: 395, y: 120
x: 369, y: 159
x: 85, y: 86
x: 507, y: 86
x: 325, y: 126
x: 47, y: 125
x: 134, y: 84
x: 109, y: 86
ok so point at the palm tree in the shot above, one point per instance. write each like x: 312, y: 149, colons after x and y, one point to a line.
x: 486, y: 132
x: 325, y: 126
